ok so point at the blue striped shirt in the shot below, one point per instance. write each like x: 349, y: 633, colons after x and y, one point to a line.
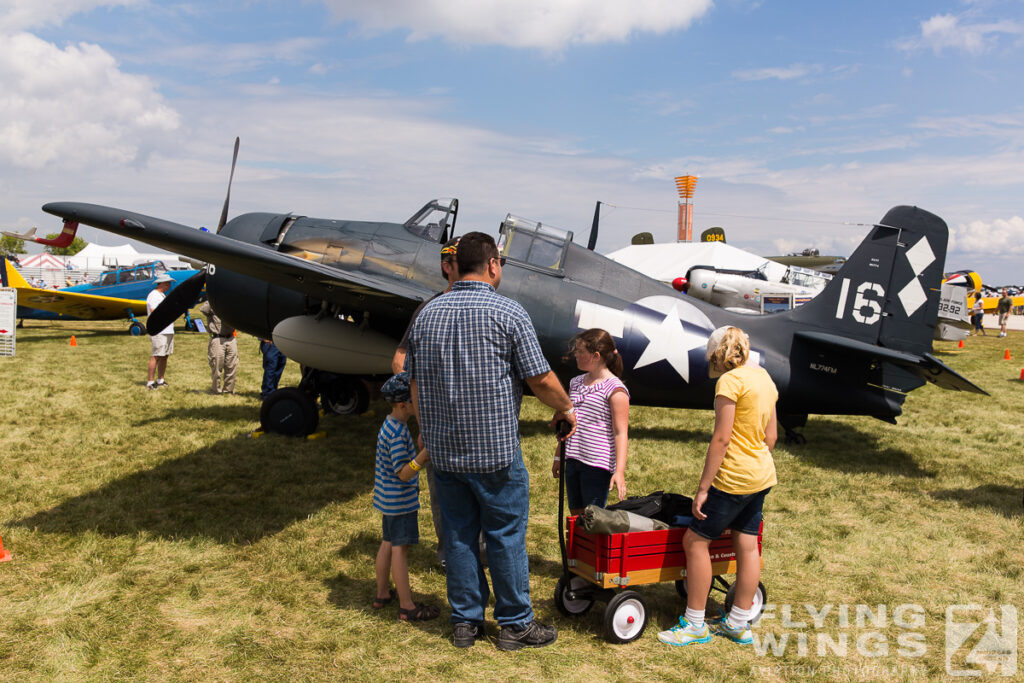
x: 469, y: 351
x: 391, y: 495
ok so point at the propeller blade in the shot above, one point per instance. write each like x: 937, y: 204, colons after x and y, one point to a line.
x: 178, y: 300
x: 227, y: 199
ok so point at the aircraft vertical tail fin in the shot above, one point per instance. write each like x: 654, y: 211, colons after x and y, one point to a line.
x: 9, y: 277
x: 887, y: 292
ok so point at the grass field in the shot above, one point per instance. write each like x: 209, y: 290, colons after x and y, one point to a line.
x: 153, y: 540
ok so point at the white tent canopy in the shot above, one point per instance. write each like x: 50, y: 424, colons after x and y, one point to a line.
x: 99, y: 257
x: 666, y: 262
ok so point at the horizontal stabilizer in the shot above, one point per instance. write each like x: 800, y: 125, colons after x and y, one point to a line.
x: 925, y: 366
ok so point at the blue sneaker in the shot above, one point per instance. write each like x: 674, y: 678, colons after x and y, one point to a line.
x: 741, y: 635
x: 685, y: 634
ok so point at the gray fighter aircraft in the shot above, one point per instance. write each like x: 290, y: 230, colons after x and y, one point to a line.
x: 337, y: 295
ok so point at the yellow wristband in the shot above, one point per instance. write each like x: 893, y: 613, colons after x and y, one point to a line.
x: 415, y: 466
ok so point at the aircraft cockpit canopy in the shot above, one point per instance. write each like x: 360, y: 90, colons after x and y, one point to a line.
x: 534, y: 245
x: 140, y: 273
x: 435, y: 221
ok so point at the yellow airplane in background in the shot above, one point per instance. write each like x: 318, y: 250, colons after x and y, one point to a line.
x: 37, y: 303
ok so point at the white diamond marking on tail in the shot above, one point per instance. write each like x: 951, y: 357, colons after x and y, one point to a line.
x: 920, y: 256
x: 913, y: 296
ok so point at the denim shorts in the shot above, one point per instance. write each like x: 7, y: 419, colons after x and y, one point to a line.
x: 739, y: 512
x: 585, y: 484
x: 401, y: 529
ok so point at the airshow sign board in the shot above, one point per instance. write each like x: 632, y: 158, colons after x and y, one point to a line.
x: 8, y: 319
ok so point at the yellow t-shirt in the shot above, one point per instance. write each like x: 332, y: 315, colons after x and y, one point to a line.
x: 748, y: 466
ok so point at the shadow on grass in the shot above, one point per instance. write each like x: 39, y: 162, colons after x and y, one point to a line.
x: 205, y: 412
x: 838, y: 446
x: 65, y: 333
x: 233, y: 491
x: 528, y: 428
x: 1005, y: 500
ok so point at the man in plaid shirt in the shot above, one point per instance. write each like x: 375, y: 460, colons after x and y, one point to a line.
x: 468, y: 353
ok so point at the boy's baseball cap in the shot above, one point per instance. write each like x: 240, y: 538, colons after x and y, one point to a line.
x: 396, y: 389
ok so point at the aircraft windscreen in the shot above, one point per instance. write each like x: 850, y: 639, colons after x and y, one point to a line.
x: 435, y: 221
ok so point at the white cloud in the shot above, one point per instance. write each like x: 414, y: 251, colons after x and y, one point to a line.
x: 782, y: 73
x: 18, y: 15
x: 74, y: 105
x: 984, y: 239
x: 550, y: 25
x: 945, y: 31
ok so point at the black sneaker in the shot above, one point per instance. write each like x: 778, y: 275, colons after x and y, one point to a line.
x: 151, y: 386
x: 467, y: 634
x: 535, y: 634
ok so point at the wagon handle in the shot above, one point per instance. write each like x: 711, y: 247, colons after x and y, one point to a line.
x: 562, y: 427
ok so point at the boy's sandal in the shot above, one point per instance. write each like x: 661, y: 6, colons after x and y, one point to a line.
x: 381, y: 603
x: 420, y: 612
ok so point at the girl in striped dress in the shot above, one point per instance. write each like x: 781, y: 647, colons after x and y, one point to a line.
x: 595, y: 456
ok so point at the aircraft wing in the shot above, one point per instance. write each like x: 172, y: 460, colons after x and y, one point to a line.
x: 926, y: 366
x: 80, y: 305
x: 361, y: 290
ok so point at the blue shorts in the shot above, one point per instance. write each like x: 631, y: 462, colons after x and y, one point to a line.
x: 585, y: 484
x: 741, y: 513
x: 401, y: 529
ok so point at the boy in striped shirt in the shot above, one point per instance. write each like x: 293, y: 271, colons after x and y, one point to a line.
x: 396, y: 494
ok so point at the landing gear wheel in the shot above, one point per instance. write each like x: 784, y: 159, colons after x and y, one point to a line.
x: 345, y: 396
x: 136, y: 329
x: 289, y: 411
x: 757, y: 607
x: 625, y: 617
x: 572, y: 608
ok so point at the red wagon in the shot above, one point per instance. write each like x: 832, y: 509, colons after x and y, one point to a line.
x: 605, y: 567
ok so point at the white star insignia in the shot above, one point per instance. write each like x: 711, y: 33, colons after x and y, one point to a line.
x: 670, y: 341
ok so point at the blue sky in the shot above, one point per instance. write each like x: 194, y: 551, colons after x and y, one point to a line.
x: 803, y: 119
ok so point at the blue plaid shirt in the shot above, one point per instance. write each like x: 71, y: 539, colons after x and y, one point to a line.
x: 469, y: 351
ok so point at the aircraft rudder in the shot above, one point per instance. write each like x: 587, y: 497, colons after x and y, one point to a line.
x: 11, y: 277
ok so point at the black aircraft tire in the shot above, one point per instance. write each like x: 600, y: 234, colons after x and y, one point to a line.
x: 136, y: 329
x: 345, y: 396
x: 289, y: 411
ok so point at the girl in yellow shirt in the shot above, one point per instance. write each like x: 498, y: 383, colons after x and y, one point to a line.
x: 738, y: 472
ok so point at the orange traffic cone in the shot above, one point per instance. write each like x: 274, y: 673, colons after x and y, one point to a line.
x: 5, y: 556
x: 1006, y: 354
x: 1022, y: 374
x: 74, y: 342
x: 961, y: 344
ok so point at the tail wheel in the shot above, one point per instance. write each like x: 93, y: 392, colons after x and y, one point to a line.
x: 289, y: 411
x: 757, y: 607
x: 625, y: 617
x: 345, y: 396
x: 576, y: 607
x: 136, y: 329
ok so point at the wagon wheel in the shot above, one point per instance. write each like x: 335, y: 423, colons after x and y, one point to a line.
x: 625, y: 617
x: 681, y: 589
x: 757, y: 607
x: 571, y: 608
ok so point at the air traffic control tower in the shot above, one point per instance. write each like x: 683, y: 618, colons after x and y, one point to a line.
x: 686, y: 184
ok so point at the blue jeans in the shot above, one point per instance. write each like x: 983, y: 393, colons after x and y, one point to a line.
x: 585, y: 484
x: 498, y: 503
x: 273, y: 366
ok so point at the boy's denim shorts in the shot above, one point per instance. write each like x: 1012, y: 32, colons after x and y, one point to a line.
x: 401, y: 529
x: 739, y: 512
